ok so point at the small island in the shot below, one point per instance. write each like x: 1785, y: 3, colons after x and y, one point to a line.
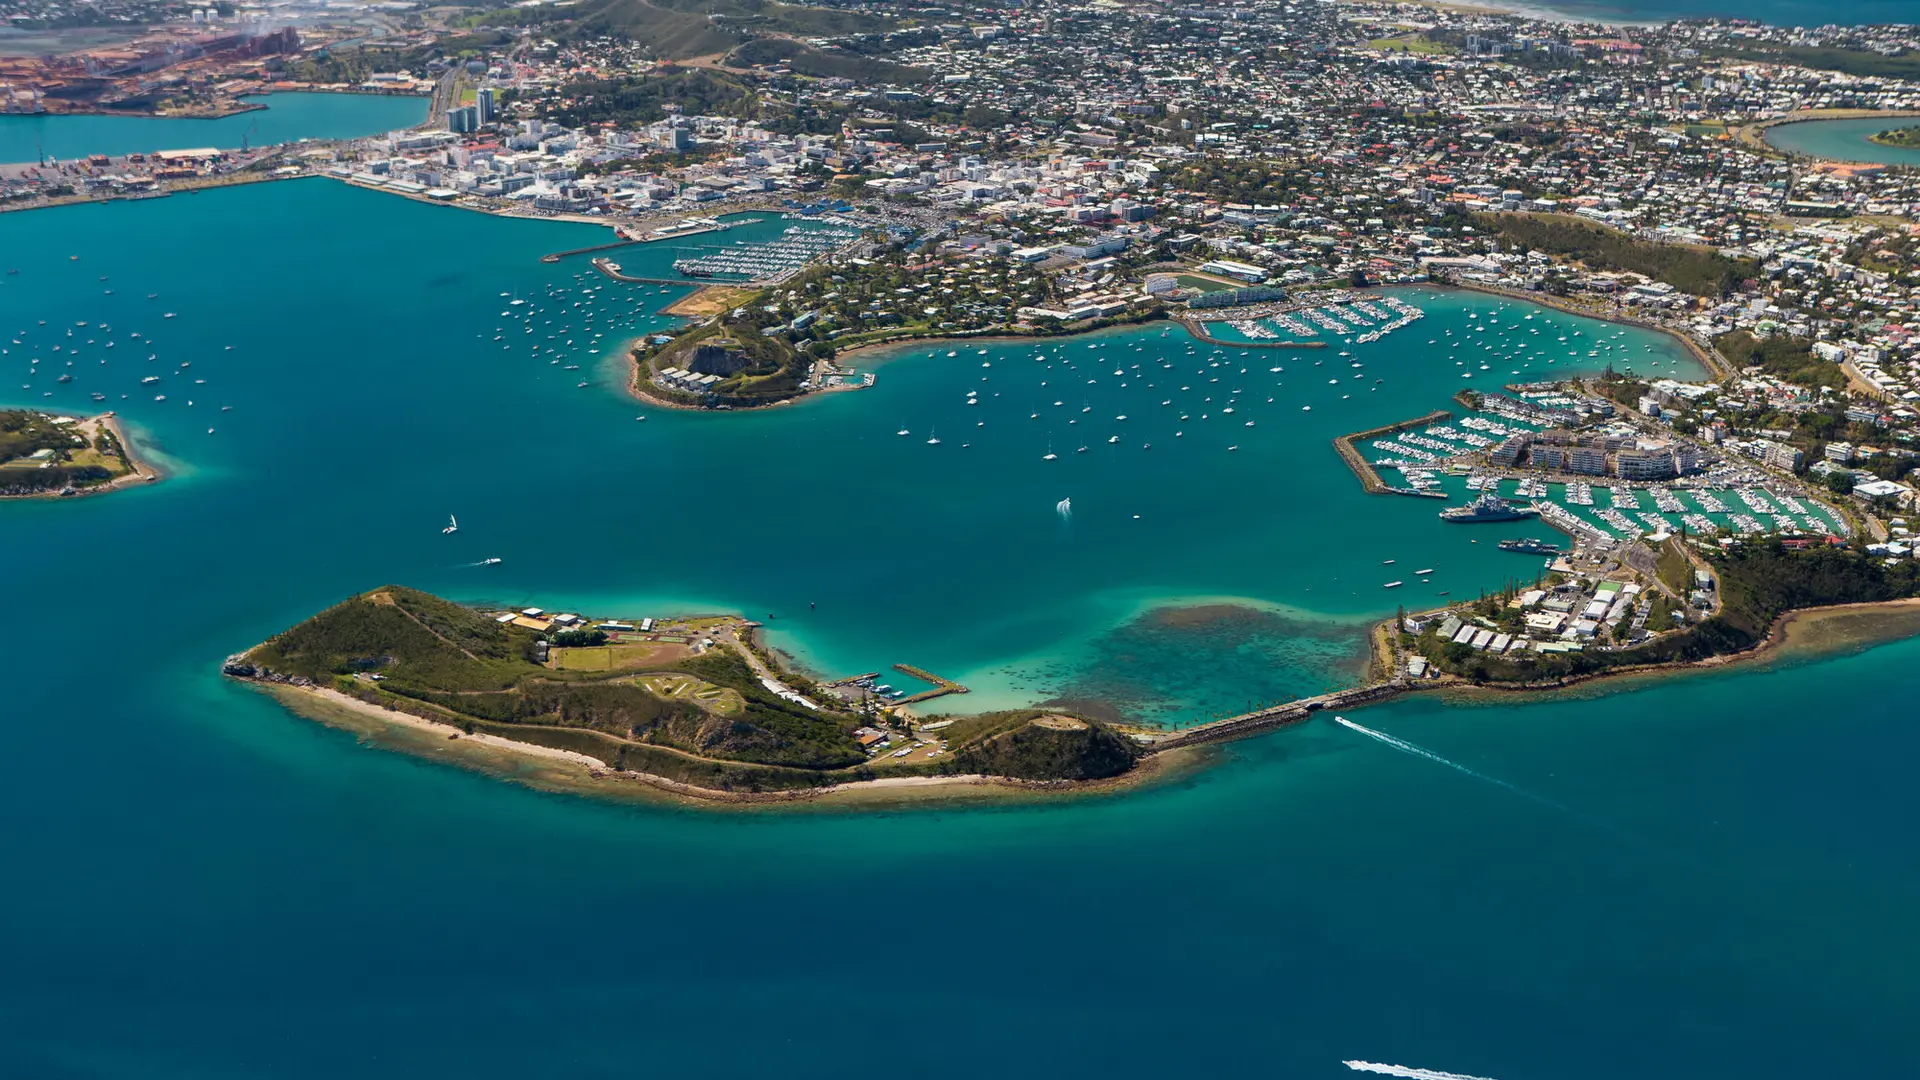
x: 46, y: 454
x: 694, y: 707
x: 1906, y: 137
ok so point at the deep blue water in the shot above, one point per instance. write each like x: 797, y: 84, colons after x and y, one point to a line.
x: 287, y: 117
x: 1708, y: 877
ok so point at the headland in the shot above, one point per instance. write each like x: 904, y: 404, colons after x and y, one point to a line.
x: 51, y: 455
x: 692, y: 707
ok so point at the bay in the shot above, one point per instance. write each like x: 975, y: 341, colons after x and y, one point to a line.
x: 287, y: 117
x: 1707, y: 876
x: 1845, y: 140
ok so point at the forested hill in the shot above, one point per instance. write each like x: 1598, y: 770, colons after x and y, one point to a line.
x: 678, y: 29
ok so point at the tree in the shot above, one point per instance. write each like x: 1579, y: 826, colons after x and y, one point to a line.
x: 1840, y: 482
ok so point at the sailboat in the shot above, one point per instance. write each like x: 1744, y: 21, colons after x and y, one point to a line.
x: 1050, y: 454
x: 903, y: 431
x: 453, y: 526
x: 933, y: 440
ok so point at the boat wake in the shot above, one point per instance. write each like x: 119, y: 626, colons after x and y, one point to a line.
x: 1065, y: 509
x: 1406, y: 747
x: 1402, y: 1070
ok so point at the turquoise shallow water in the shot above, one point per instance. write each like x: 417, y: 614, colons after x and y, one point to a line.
x: 287, y: 117
x: 1709, y: 877
x: 1845, y: 140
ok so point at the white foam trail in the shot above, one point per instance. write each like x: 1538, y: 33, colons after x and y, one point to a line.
x: 1402, y: 1070
x: 1065, y: 509
x: 1422, y: 752
x: 1406, y: 747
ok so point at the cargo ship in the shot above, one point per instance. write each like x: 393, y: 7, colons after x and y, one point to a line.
x: 1487, y: 508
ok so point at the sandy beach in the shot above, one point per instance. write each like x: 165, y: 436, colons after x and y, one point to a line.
x: 141, y: 470
x: 568, y: 772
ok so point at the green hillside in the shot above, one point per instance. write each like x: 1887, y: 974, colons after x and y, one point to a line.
x: 678, y: 29
x: 660, y: 706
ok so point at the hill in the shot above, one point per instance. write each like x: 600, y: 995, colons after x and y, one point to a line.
x: 1034, y: 744
x: 1697, y: 270
x: 688, y: 706
x: 679, y: 29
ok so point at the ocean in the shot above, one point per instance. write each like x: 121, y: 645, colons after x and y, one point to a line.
x: 1706, y: 876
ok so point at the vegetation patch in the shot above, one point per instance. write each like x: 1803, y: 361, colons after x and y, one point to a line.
x: 1696, y: 270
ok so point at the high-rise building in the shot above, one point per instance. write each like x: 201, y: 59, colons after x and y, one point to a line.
x: 464, y: 119
x: 489, y: 108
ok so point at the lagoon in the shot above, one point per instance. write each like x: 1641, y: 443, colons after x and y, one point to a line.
x: 1707, y: 876
x: 1845, y: 140
x: 286, y: 118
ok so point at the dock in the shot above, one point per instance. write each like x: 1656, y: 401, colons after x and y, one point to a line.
x: 941, y: 686
x: 1363, y: 468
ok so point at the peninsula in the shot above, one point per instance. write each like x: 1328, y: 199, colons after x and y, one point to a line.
x: 694, y: 706
x: 46, y: 454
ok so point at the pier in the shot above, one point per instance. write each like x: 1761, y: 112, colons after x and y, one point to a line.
x: 1293, y: 712
x: 941, y: 686
x: 1362, y: 468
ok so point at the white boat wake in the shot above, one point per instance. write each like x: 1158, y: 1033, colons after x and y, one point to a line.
x: 1065, y: 509
x: 1422, y: 752
x: 1406, y: 747
x: 1410, y: 1074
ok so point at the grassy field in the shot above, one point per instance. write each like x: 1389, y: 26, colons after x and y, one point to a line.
x: 1190, y: 281
x: 614, y: 657
x: 1418, y: 44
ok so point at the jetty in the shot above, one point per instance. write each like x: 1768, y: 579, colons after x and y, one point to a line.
x: 941, y: 686
x: 1362, y: 468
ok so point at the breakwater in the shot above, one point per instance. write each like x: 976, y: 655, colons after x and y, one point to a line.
x: 612, y: 269
x: 1199, y: 332
x: 941, y: 686
x: 1362, y: 468
x: 556, y: 256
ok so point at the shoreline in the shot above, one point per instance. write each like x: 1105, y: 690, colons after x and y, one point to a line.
x: 1812, y: 632
x: 569, y: 772
x: 139, y: 469
x: 1787, y: 634
x: 1754, y: 135
x: 238, y: 106
x: 1717, y: 367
